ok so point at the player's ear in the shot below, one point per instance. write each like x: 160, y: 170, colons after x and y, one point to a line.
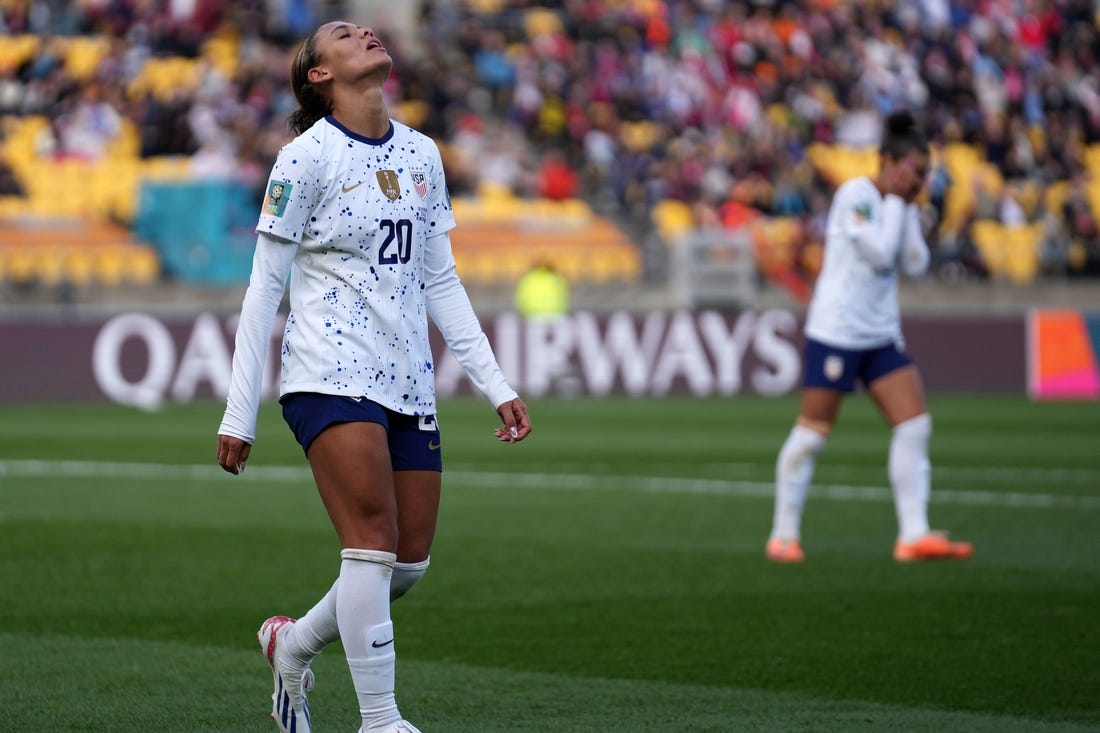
x: 318, y: 74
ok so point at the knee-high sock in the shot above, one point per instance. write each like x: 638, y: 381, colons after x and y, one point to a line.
x: 363, y: 613
x: 318, y: 627
x: 911, y: 475
x: 406, y: 575
x: 315, y: 630
x: 794, y: 469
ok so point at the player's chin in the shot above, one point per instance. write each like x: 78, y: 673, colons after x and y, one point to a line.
x: 379, y: 60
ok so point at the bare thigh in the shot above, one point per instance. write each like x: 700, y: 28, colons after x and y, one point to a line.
x: 899, y: 394
x: 351, y: 465
x: 417, y: 510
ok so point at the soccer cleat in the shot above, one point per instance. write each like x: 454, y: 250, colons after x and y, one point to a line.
x: 932, y: 546
x: 779, y: 550
x: 289, y: 708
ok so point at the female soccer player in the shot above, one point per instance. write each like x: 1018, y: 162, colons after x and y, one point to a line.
x: 358, y: 216
x: 853, y: 331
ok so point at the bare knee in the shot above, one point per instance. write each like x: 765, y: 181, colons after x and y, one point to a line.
x: 373, y: 532
x: 821, y: 427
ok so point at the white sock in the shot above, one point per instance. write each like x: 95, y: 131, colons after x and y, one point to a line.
x: 314, y: 631
x: 911, y: 475
x: 318, y: 628
x: 363, y: 613
x: 406, y: 575
x: 794, y: 469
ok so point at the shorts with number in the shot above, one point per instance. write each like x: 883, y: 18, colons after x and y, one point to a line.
x: 834, y: 368
x: 413, y: 439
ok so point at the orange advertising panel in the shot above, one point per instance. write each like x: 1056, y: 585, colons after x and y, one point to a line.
x: 1063, y: 352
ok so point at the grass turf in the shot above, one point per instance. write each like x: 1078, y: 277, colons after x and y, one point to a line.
x: 605, y: 575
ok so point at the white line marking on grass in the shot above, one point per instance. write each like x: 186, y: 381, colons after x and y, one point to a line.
x: 765, y: 490
x: 852, y: 472
x: 553, y: 481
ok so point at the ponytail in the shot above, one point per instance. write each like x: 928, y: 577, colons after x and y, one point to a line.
x: 311, y: 105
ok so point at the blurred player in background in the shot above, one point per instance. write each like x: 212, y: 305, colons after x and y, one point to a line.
x: 853, y: 332
x: 358, y: 216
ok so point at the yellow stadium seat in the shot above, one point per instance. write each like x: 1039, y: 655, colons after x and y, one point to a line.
x: 1055, y: 197
x: 573, y: 265
x: 541, y: 21
x: 11, y: 206
x: 142, y: 265
x: 988, y: 236
x: 512, y: 266
x: 1092, y: 193
x: 1022, y: 245
x: 21, y: 265
x: 78, y: 266
x: 838, y: 163
x: 111, y: 267
x: 1092, y: 159
x: 673, y: 219
x: 83, y: 55
x: 14, y: 50
x: 475, y: 267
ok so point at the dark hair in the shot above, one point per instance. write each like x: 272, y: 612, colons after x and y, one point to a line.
x: 311, y: 105
x: 902, y: 136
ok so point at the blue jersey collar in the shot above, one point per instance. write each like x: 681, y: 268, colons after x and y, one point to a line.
x: 355, y: 136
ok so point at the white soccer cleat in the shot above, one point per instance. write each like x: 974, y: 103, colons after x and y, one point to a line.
x: 289, y: 707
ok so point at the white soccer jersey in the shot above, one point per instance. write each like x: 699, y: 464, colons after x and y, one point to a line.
x: 868, y: 237
x: 361, y: 225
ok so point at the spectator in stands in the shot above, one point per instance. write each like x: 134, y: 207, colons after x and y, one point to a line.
x: 542, y: 300
x: 542, y: 294
x: 556, y: 178
x: 9, y: 184
x: 89, y: 128
x: 1083, y: 255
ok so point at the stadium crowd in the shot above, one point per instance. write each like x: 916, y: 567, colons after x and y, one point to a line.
x: 715, y: 105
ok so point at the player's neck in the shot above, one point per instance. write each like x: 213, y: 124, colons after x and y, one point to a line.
x: 364, y: 113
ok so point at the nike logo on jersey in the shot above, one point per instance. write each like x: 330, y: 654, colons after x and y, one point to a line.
x: 352, y: 187
x: 379, y: 644
x: 432, y: 445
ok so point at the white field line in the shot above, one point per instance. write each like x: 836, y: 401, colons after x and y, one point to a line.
x: 544, y: 481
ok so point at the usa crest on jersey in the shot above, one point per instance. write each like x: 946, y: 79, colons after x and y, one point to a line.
x: 420, y: 183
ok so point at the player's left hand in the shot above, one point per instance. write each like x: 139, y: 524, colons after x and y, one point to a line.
x: 517, y: 423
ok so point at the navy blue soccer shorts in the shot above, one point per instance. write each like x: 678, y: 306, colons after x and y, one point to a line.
x: 413, y: 439
x: 832, y: 367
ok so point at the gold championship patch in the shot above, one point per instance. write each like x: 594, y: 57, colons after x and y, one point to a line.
x: 387, y: 181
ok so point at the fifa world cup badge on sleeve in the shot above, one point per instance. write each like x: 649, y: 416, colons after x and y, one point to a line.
x: 277, y: 194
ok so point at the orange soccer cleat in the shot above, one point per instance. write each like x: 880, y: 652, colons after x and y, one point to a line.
x: 932, y: 546
x: 779, y: 550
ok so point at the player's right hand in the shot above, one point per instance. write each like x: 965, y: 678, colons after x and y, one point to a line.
x: 232, y: 454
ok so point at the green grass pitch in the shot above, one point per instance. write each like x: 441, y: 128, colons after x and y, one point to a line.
x: 606, y: 575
